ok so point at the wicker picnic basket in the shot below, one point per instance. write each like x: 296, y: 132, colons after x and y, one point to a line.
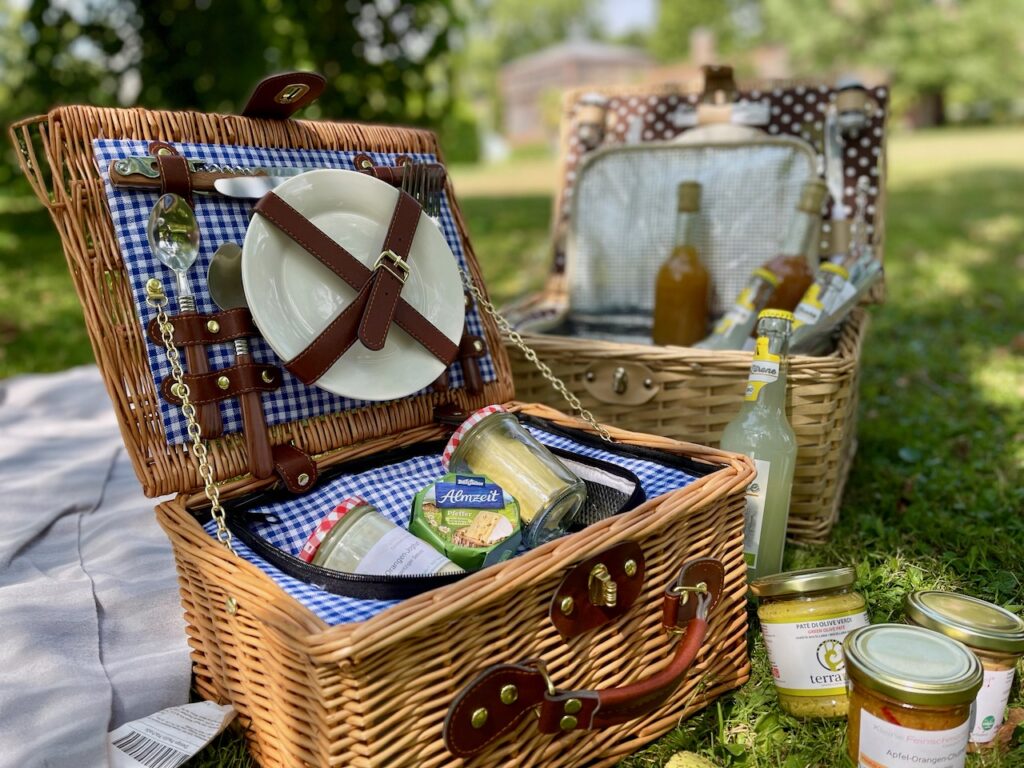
x: 687, y: 393
x: 386, y: 691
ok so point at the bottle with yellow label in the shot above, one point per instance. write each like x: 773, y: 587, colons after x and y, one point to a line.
x: 735, y: 325
x: 762, y: 431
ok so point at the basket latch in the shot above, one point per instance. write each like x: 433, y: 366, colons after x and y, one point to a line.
x: 598, y: 590
x: 621, y: 383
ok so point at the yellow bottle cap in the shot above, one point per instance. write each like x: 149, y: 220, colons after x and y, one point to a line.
x: 836, y: 269
x: 767, y: 275
x: 781, y: 314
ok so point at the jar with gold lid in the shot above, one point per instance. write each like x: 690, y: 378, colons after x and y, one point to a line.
x: 805, y: 615
x: 994, y: 634
x: 492, y: 442
x: 911, y: 697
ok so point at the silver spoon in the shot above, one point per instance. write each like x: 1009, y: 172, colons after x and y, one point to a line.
x: 224, y: 282
x: 173, y: 234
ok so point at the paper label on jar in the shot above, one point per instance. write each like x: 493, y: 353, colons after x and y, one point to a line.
x: 807, y: 656
x: 991, y: 703
x: 398, y: 553
x: 753, y: 518
x: 887, y: 745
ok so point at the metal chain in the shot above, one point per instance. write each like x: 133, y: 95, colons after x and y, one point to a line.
x: 514, y: 336
x: 156, y: 298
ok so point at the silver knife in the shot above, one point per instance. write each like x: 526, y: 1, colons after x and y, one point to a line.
x: 248, y: 187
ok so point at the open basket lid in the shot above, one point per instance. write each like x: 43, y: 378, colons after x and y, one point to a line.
x: 65, y: 154
x: 600, y: 119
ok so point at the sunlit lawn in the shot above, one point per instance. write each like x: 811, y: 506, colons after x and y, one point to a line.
x: 936, y: 496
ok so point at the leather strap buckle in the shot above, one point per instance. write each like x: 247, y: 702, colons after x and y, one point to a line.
x: 396, y: 263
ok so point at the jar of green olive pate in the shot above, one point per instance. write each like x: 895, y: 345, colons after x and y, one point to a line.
x: 996, y: 637
x: 911, y: 697
x: 805, y: 615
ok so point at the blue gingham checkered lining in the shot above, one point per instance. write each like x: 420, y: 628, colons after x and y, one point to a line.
x: 391, y: 490
x: 225, y: 220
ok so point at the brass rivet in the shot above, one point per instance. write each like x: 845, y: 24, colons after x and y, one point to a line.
x: 468, y: 299
x: 213, y: 326
x: 567, y: 723
x: 509, y: 693
x: 232, y: 605
x: 303, y: 479
x: 566, y: 605
x: 478, y: 345
x: 591, y: 376
x: 648, y: 383
x: 479, y: 718
x: 223, y: 382
x: 267, y: 376
x: 572, y: 706
x: 154, y: 288
x: 629, y: 567
x: 365, y: 163
x: 177, y: 390
x: 165, y: 151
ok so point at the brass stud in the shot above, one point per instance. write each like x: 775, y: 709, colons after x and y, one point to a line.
x: 267, y: 376
x: 154, y: 288
x: 303, y: 479
x: 648, y: 383
x: 567, y: 605
x: 165, y: 151
x: 213, y: 326
x: 629, y: 567
x: 232, y: 605
x: 479, y: 719
x: 178, y: 390
x: 365, y: 164
x: 572, y: 706
x: 509, y: 694
x: 591, y: 376
x: 567, y: 723
x: 223, y: 382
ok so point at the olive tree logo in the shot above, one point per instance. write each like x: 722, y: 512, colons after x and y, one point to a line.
x: 830, y: 655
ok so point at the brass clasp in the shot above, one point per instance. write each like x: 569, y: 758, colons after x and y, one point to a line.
x: 603, y: 589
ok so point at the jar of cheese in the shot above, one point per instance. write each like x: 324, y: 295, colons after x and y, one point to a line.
x: 492, y: 442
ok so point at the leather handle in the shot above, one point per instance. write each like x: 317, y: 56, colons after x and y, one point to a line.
x: 492, y: 704
x: 278, y: 97
x: 257, y: 440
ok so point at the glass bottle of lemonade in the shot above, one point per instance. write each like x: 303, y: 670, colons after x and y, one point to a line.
x: 761, y: 430
x: 682, y: 286
x: 797, y: 261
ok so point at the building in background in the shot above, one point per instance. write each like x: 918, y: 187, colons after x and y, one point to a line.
x: 531, y: 86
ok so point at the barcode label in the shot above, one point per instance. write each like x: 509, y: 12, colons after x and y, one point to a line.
x: 150, y: 753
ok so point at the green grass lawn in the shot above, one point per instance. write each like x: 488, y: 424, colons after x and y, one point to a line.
x: 935, y: 498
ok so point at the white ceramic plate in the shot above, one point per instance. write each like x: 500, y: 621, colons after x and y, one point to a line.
x: 293, y: 297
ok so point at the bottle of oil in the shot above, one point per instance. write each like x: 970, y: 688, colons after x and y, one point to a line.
x: 761, y: 430
x: 682, y: 286
x: 797, y: 261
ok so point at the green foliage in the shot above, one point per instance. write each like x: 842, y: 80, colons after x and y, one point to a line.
x: 519, y: 27
x: 964, y: 52
x: 670, y: 39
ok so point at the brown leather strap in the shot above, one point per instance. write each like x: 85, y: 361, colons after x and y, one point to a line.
x: 195, y: 329
x: 278, y: 97
x: 206, y: 389
x: 489, y: 707
x: 295, y: 468
x: 388, y: 280
x: 254, y: 425
x: 174, y: 173
x: 471, y: 349
x: 322, y: 353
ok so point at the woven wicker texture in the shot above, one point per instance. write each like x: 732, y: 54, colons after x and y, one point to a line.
x: 699, y: 391
x: 56, y: 154
x: 376, y: 693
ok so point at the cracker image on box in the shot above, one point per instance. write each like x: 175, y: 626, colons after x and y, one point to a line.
x: 468, y: 518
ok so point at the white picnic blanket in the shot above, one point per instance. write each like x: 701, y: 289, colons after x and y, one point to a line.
x: 91, y: 629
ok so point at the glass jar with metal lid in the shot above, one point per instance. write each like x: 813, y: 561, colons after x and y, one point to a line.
x: 805, y: 615
x: 911, y: 697
x: 492, y: 442
x: 994, y: 634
